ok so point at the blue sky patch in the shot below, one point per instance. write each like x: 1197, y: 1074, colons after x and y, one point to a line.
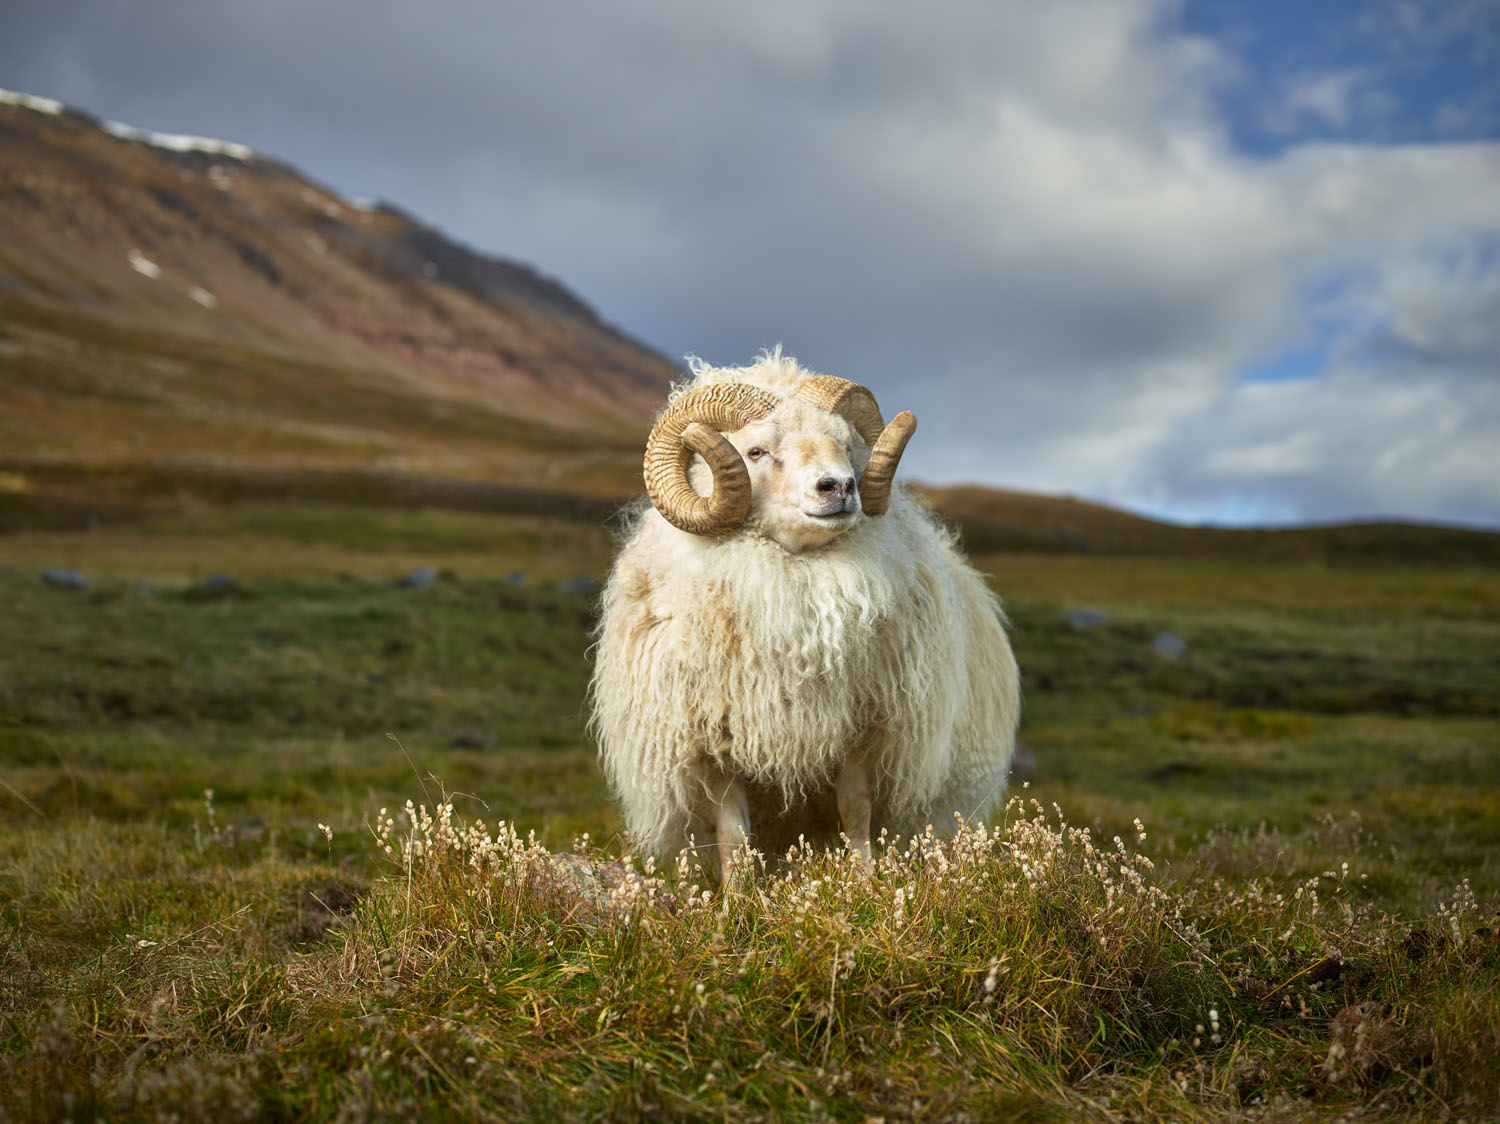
x: 1387, y: 72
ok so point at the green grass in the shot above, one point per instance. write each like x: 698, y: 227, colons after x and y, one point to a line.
x: 166, y: 955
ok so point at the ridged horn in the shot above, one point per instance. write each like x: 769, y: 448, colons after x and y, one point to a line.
x: 696, y: 423
x: 856, y: 405
x: 875, y: 484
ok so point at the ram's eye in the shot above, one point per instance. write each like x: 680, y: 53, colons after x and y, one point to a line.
x: 755, y: 453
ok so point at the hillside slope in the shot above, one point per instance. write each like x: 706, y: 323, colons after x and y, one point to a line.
x: 166, y: 297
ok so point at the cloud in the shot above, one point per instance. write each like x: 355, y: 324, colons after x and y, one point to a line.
x: 1441, y: 311
x: 1032, y: 224
x: 1326, y: 96
x: 1359, y: 443
x: 1333, y: 103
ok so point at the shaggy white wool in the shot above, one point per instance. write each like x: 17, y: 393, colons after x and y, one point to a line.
x: 776, y: 372
x: 775, y: 666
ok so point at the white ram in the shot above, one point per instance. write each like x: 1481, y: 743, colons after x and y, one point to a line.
x: 788, y: 645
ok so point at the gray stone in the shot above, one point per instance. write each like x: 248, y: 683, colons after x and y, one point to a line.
x: 215, y: 587
x: 1083, y: 620
x: 581, y: 585
x: 1169, y: 646
x: 422, y: 575
x: 65, y: 579
x: 515, y: 577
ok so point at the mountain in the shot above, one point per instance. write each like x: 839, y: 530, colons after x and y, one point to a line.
x: 179, y: 301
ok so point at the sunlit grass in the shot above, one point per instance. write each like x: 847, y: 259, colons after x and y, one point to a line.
x: 1030, y: 968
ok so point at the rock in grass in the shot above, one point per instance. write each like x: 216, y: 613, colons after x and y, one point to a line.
x: 65, y: 579
x: 1169, y: 646
x: 215, y: 587
x: 1082, y: 620
x: 422, y: 575
x: 580, y: 585
x: 515, y: 577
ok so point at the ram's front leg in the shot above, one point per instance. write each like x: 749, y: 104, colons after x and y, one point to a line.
x: 729, y: 810
x: 852, y: 790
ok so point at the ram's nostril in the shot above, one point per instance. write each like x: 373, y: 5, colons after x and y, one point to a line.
x: 828, y: 485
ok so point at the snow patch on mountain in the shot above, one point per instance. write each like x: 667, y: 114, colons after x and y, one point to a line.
x: 179, y: 142
x: 143, y: 265
x: 31, y: 101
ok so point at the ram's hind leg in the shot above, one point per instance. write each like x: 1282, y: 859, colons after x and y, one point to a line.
x: 852, y: 789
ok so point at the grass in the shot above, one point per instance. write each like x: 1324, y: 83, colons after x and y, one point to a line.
x: 167, y: 955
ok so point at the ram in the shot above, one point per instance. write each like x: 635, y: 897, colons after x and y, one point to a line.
x: 789, y: 646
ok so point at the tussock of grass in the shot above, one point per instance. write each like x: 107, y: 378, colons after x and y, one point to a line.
x: 1029, y: 970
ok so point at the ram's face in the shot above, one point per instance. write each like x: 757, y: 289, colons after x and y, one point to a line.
x: 804, y: 466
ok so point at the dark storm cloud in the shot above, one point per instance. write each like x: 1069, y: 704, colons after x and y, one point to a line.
x: 1027, y: 222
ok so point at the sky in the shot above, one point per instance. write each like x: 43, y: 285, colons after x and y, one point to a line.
x: 1230, y: 262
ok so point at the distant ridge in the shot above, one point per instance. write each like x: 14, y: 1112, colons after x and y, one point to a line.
x: 994, y: 521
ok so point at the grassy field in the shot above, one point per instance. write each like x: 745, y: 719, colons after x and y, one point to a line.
x: 181, y: 938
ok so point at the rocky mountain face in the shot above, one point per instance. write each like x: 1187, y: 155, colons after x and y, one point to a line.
x: 169, y: 301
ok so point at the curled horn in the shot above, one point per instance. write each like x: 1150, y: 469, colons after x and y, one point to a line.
x: 696, y: 423
x: 857, y: 406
